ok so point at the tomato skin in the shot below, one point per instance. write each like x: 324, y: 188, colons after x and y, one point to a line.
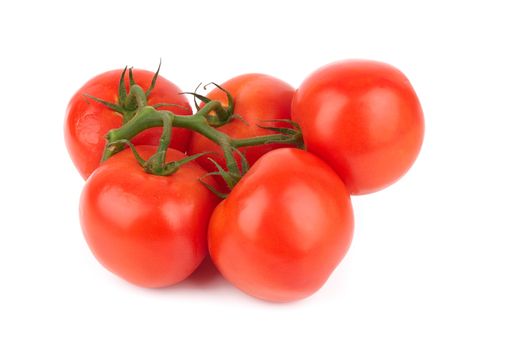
x: 257, y: 97
x: 364, y: 119
x: 284, y: 228
x: 148, y: 229
x: 87, y: 121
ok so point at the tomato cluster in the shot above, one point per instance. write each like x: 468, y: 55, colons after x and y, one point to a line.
x: 232, y: 180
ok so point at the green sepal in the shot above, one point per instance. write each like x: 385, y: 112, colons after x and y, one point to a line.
x: 122, y: 93
x: 196, y: 95
x: 130, y: 74
x: 226, y: 175
x: 240, y: 118
x: 128, y: 143
x: 162, y: 104
x: 286, y: 131
x: 286, y: 121
x: 154, y: 80
x: 197, y: 107
x: 245, y: 166
x: 231, y: 103
x: 168, y: 168
x: 210, y: 187
x: 293, y: 134
x: 192, y: 158
x: 110, y: 105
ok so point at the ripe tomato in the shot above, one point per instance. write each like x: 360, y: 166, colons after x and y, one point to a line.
x: 257, y: 97
x: 148, y: 229
x: 284, y: 227
x: 364, y: 119
x: 88, y: 121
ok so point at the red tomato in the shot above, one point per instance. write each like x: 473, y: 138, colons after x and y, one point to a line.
x: 257, y: 97
x: 87, y: 121
x: 148, y: 229
x: 364, y: 119
x: 284, y: 228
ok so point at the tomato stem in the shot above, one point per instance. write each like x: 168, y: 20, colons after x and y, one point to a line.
x: 135, y: 99
x: 203, y: 121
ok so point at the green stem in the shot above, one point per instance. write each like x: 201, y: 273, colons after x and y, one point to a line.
x: 199, y: 124
x: 139, y: 116
x: 136, y: 99
x: 147, y: 117
x: 157, y: 163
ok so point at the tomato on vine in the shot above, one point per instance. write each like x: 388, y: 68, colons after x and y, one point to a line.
x: 150, y: 214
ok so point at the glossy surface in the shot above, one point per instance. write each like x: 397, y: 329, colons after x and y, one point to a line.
x: 87, y: 121
x: 284, y: 227
x: 147, y: 229
x: 257, y: 97
x: 364, y: 119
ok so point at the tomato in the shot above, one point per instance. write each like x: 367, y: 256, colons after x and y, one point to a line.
x: 148, y: 229
x: 87, y: 121
x: 364, y: 119
x: 284, y: 228
x: 257, y: 97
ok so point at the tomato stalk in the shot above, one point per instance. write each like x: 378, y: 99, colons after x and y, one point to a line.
x: 147, y: 117
x: 138, y: 115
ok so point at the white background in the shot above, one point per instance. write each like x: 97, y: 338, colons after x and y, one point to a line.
x: 438, y: 259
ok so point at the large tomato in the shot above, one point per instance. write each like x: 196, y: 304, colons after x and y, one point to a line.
x: 284, y: 228
x: 257, y: 97
x: 364, y: 119
x: 147, y: 229
x: 87, y: 121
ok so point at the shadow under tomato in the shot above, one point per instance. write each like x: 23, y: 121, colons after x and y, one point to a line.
x: 204, y: 278
x: 207, y: 280
x: 205, y: 275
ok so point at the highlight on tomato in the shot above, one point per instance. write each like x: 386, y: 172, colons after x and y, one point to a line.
x: 284, y: 228
x: 364, y: 119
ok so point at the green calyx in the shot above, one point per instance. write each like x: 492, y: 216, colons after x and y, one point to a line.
x: 221, y: 114
x: 129, y: 102
x: 157, y: 164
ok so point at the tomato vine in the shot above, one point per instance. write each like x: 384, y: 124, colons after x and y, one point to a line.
x: 138, y: 116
